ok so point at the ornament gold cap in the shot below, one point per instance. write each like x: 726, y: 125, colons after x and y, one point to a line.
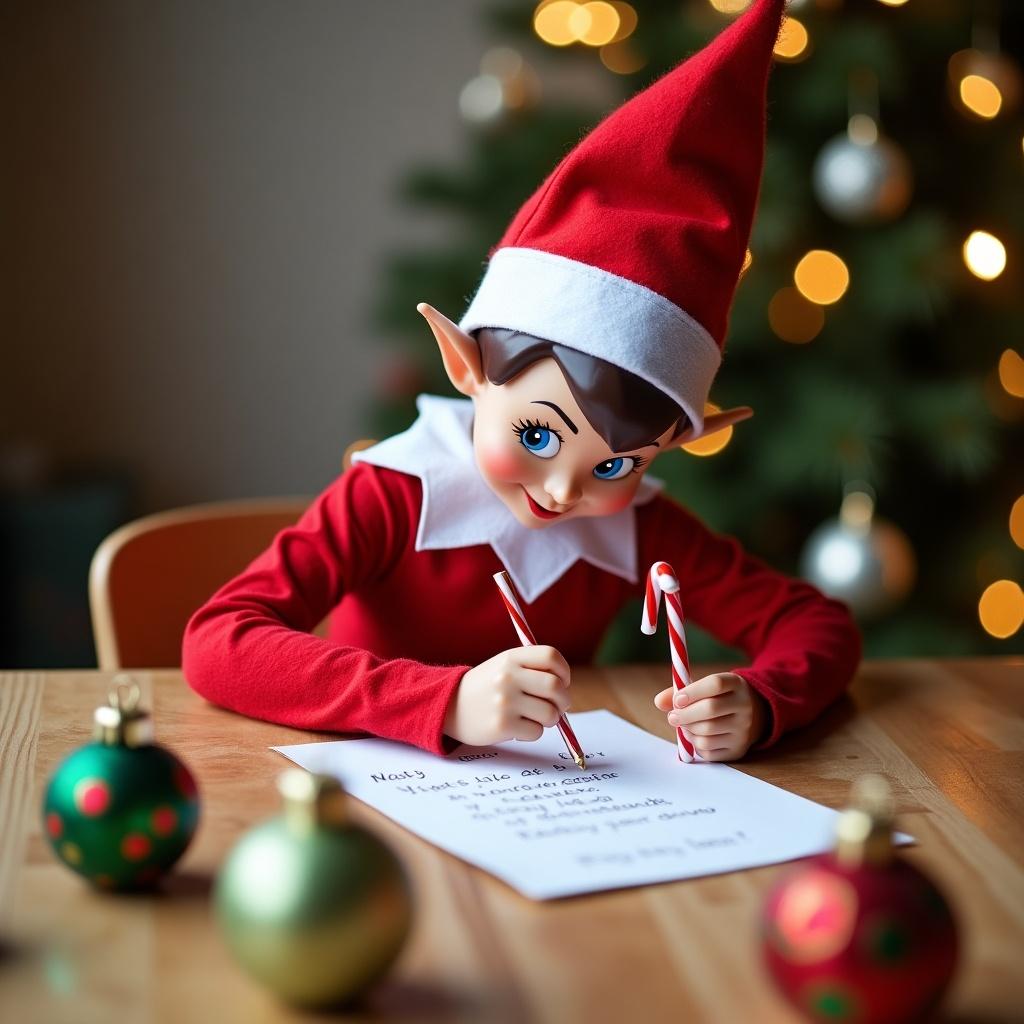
x: 311, y: 800
x: 864, y: 832
x: 122, y: 722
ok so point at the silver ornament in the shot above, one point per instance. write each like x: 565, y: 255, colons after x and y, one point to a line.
x: 858, y: 181
x: 863, y: 560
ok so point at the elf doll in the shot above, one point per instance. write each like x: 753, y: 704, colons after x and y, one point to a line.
x: 588, y: 350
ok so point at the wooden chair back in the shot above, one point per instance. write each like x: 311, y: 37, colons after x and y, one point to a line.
x: 150, y: 575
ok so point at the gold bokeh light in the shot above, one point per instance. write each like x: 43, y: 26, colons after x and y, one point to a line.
x: 552, y: 22
x: 1017, y: 522
x: 622, y: 58
x: 627, y: 20
x: 981, y: 96
x: 1001, y: 609
x: 792, y: 44
x: 730, y: 6
x: 822, y: 277
x: 602, y: 23
x: 712, y: 443
x: 793, y: 318
x: 595, y: 23
x: 1011, y: 373
x: 984, y: 255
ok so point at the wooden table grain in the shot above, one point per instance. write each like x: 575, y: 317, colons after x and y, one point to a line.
x: 949, y: 735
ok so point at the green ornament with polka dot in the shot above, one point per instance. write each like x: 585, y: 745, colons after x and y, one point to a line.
x: 122, y: 809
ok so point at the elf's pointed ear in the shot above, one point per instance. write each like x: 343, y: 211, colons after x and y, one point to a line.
x: 715, y: 422
x: 459, y: 352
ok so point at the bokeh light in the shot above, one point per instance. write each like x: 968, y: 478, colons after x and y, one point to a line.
x: 552, y: 22
x: 793, y: 318
x: 822, y: 277
x: 1001, y: 609
x: 482, y: 99
x: 748, y: 259
x: 627, y: 20
x: 981, y: 96
x: 712, y: 443
x: 893, y: 3
x: 730, y: 6
x: 984, y: 255
x: 595, y: 23
x: 1017, y: 522
x: 622, y: 58
x: 793, y: 42
x: 1011, y: 373
x: 502, y: 62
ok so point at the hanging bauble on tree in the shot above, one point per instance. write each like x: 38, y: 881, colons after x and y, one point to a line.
x: 860, y: 558
x: 860, y: 934
x: 121, y: 810
x: 862, y: 177
x: 312, y: 905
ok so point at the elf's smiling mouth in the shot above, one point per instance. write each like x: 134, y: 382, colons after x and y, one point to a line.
x: 539, y: 511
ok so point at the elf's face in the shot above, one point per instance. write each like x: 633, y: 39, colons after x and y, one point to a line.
x: 538, y: 453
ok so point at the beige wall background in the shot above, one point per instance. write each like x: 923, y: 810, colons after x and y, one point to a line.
x: 197, y: 196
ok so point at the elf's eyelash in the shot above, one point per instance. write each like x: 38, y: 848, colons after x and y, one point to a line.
x: 522, y: 426
x: 638, y: 463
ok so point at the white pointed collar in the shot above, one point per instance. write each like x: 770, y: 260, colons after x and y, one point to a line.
x: 460, y: 510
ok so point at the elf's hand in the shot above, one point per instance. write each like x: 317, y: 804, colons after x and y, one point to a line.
x: 513, y: 696
x: 721, y: 715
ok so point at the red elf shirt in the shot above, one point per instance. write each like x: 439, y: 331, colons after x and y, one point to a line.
x: 400, y: 551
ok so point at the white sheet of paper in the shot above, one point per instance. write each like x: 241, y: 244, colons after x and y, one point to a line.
x: 526, y: 813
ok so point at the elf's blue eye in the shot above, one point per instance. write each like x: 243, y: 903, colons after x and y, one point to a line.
x: 615, y: 469
x: 541, y: 441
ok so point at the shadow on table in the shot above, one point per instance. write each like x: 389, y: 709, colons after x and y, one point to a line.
x: 178, y: 886
x: 960, y: 1017
x: 408, y: 1000
x: 185, y: 885
x: 810, y: 737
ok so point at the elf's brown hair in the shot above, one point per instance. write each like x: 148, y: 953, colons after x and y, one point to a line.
x: 623, y: 408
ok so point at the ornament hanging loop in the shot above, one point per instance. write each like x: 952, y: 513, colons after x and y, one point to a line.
x: 126, y: 694
x: 864, y: 829
x: 311, y: 800
x: 862, y: 106
x: 858, y: 508
x: 121, y: 721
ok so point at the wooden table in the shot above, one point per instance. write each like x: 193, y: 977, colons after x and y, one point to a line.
x: 948, y: 734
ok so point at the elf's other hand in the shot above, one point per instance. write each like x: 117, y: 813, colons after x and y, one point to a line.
x: 721, y: 715
x: 513, y: 696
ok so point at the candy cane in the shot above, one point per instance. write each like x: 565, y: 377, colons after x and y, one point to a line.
x: 527, y: 639
x: 662, y: 580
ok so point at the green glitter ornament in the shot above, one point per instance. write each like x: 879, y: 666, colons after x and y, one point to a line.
x: 121, y: 810
x: 312, y: 905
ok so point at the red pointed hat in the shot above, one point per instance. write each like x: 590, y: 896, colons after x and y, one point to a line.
x: 631, y: 249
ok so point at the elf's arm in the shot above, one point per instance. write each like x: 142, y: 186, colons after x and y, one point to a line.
x: 803, y: 648
x: 250, y: 649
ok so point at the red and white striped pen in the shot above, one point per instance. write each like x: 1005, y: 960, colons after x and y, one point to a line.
x: 527, y: 639
x: 662, y: 580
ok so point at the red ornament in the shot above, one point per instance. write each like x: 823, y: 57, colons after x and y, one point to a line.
x: 859, y: 935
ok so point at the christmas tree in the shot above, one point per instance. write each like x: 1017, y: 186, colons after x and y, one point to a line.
x: 876, y: 330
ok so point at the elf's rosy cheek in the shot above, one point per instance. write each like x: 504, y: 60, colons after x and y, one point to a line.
x: 615, y: 501
x: 500, y: 463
